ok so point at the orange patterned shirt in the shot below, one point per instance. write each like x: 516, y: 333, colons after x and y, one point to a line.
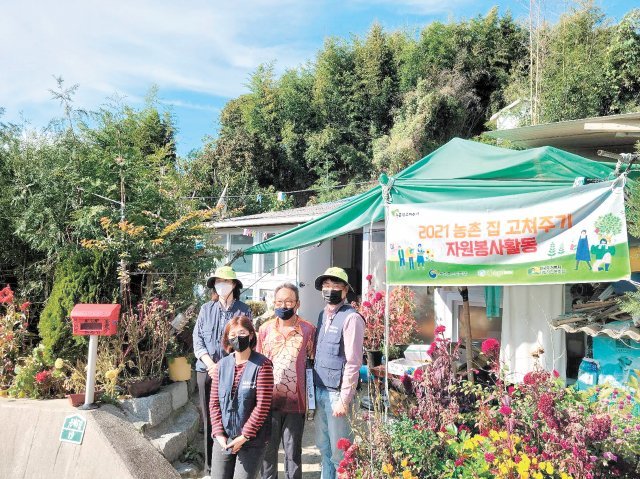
x: 288, y: 353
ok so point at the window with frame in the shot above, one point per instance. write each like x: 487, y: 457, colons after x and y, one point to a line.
x: 242, y: 242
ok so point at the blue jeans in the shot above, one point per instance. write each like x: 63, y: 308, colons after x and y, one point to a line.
x: 329, y: 430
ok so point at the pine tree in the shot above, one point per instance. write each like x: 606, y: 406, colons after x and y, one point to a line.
x: 552, y: 250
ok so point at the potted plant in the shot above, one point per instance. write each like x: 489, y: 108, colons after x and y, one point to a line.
x: 372, y: 310
x: 402, y: 323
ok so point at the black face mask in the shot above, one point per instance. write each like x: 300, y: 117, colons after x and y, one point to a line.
x: 284, y: 313
x: 332, y: 296
x: 240, y: 343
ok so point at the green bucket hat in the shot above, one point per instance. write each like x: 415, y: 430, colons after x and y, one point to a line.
x: 223, y: 272
x: 334, y: 273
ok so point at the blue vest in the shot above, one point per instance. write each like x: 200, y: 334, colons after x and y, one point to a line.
x: 237, y: 408
x: 330, y: 358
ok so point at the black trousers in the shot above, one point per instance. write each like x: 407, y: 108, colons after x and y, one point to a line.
x: 204, y: 393
x: 286, y: 428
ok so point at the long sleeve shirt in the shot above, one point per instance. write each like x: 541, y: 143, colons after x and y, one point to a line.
x: 353, y: 337
x: 207, y: 333
x: 264, y: 394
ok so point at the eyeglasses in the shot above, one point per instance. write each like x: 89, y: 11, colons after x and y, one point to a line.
x: 289, y: 303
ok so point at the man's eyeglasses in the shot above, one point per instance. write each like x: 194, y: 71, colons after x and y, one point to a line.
x: 288, y: 304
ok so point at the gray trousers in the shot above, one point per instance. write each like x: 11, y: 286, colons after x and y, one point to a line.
x: 286, y: 428
x: 244, y: 465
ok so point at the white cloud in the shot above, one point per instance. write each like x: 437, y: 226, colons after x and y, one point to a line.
x: 206, y: 47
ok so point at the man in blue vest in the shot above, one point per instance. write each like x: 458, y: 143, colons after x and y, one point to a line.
x: 338, y: 357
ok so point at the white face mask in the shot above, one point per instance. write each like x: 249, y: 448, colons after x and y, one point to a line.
x: 223, y: 289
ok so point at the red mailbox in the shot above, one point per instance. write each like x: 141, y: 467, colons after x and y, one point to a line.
x: 95, y: 319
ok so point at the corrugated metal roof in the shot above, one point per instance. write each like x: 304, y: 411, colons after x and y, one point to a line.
x: 284, y: 217
x: 572, y: 136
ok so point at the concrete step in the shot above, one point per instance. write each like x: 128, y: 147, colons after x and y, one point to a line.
x: 173, y: 435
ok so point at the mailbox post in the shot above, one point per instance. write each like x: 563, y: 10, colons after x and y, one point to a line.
x: 94, y: 320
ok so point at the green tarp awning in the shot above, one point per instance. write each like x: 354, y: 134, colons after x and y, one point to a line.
x: 459, y: 170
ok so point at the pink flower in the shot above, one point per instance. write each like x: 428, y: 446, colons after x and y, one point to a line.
x: 366, y: 304
x: 42, y: 376
x: 378, y: 296
x: 25, y: 306
x: 440, y: 329
x: 369, y: 277
x: 556, y: 374
x: 510, y: 390
x: 505, y: 410
x: 343, y: 444
x: 418, y: 374
x: 489, y: 457
x: 6, y: 295
x: 490, y: 347
x: 459, y: 461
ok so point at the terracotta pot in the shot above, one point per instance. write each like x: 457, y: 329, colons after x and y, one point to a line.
x: 144, y: 387
x: 179, y: 369
x: 77, y: 399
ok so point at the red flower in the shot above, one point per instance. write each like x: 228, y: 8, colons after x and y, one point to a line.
x: 343, y: 444
x: 42, y: 376
x: 25, y: 306
x: 439, y: 329
x: 369, y: 277
x: 505, y: 410
x: 510, y: 390
x: 556, y: 374
x: 366, y: 304
x: 489, y: 457
x: 432, y: 349
x: 418, y: 374
x: 6, y: 295
x: 378, y: 296
x: 490, y: 347
x: 459, y: 461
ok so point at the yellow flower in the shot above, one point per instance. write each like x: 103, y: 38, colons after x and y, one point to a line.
x: 112, y: 374
x: 549, y: 468
x: 387, y: 468
x: 537, y: 475
x: 406, y: 474
x: 405, y: 462
x: 59, y: 364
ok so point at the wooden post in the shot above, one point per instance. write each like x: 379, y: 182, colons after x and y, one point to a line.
x: 466, y: 325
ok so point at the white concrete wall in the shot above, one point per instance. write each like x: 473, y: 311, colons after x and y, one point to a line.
x: 311, y: 264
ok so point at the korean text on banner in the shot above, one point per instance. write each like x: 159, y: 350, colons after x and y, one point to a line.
x: 568, y: 235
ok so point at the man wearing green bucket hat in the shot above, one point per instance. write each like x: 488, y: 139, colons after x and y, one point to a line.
x: 338, y: 357
x: 207, y: 339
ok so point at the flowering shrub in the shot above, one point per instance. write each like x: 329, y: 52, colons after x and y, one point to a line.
x: 402, y: 323
x: 14, y: 319
x: 36, y: 377
x: 538, y: 429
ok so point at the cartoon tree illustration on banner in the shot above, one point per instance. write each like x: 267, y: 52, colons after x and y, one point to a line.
x: 607, y: 226
x: 552, y: 250
x: 561, y: 249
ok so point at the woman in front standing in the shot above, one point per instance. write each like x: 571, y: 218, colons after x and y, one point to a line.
x: 207, y: 339
x: 241, y: 393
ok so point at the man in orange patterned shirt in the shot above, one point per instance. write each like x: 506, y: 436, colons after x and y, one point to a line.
x: 287, y: 340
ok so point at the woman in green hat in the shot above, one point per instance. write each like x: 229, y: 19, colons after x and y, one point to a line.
x: 207, y: 339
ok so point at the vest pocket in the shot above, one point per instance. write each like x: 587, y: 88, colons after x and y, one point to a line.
x: 333, y: 368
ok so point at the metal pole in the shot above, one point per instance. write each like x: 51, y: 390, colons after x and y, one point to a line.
x: 89, y: 398
x: 466, y: 325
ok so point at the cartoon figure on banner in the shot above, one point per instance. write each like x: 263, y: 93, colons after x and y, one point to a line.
x: 410, y: 254
x: 582, y: 251
x: 401, y: 255
x: 603, y: 253
x: 420, y: 255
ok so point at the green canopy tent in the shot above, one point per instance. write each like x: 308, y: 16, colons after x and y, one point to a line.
x: 458, y: 170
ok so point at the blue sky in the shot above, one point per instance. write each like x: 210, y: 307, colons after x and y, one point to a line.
x: 198, y: 53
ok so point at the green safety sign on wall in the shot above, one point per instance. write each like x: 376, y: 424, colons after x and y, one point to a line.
x: 73, y: 429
